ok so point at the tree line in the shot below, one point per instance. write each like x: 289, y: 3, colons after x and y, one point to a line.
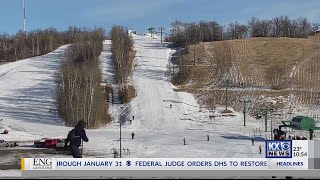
x: 184, y: 34
x: 122, y: 48
x: 34, y: 43
x: 79, y: 93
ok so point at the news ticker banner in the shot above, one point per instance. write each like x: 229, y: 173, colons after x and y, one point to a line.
x: 285, y: 154
x: 39, y: 164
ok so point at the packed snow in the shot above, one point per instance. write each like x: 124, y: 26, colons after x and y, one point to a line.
x: 10, y: 173
x: 27, y: 107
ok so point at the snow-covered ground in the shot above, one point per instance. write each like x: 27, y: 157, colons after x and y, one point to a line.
x: 27, y: 102
x: 10, y: 173
x: 159, y: 129
x: 27, y: 107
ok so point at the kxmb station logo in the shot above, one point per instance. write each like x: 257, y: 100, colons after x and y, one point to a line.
x: 278, y: 149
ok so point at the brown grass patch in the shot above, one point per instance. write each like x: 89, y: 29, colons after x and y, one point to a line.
x: 258, y: 67
x: 252, y: 58
x: 127, y: 93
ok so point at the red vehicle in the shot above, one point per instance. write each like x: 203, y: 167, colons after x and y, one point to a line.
x: 40, y: 143
x: 49, y: 143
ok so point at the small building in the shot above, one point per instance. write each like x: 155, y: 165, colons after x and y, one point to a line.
x: 303, y: 123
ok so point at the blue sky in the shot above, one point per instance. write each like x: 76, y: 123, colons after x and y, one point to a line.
x: 142, y: 14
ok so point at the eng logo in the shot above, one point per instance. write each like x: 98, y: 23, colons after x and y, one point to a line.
x: 278, y: 149
x: 42, y: 163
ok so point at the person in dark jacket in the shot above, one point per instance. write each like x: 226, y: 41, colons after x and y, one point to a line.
x: 74, y: 137
x: 260, y: 149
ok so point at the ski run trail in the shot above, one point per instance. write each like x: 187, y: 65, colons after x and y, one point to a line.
x: 27, y: 107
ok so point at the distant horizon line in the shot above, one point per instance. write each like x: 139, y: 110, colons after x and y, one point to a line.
x: 61, y: 29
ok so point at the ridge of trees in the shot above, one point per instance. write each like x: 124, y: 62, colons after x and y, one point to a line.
x: 79, y: 93
x: 122, y: 50
x: 34, y: 43
x: 184, y: 34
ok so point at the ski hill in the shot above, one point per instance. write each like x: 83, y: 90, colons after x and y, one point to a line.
x: 27, y: 107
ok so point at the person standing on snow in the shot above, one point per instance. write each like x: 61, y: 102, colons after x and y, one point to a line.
x: 132, y: 135
x: 252, y: 140
x: 260, y: 149
x: 184, y: 141
x: 74, y: 137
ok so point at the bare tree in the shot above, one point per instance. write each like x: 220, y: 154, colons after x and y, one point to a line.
x: 79, y: 93
x: 304, y: 27
x: 237, y: 31
x: 122, y: 46
x: 259, y: 28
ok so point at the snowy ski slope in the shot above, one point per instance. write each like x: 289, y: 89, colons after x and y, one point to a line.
x: 27, y: 95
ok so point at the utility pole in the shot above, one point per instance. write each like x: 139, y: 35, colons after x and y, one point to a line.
x: 265, y: 113
x: 151, y: 31
x: 245, y: 102
x: 271, y: 130
x: 311, y: 134
x: 24, y: 17
x: 226, y: 83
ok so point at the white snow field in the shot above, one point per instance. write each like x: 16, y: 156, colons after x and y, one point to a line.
x: 160, y: 130
x: 27, y: 107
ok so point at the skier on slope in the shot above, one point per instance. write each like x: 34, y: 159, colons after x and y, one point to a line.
x: 260, y: 149
x: 132, y: 135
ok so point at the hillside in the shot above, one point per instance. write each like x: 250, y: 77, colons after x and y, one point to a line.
x: 159, y: 128
x: 280, y: 72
